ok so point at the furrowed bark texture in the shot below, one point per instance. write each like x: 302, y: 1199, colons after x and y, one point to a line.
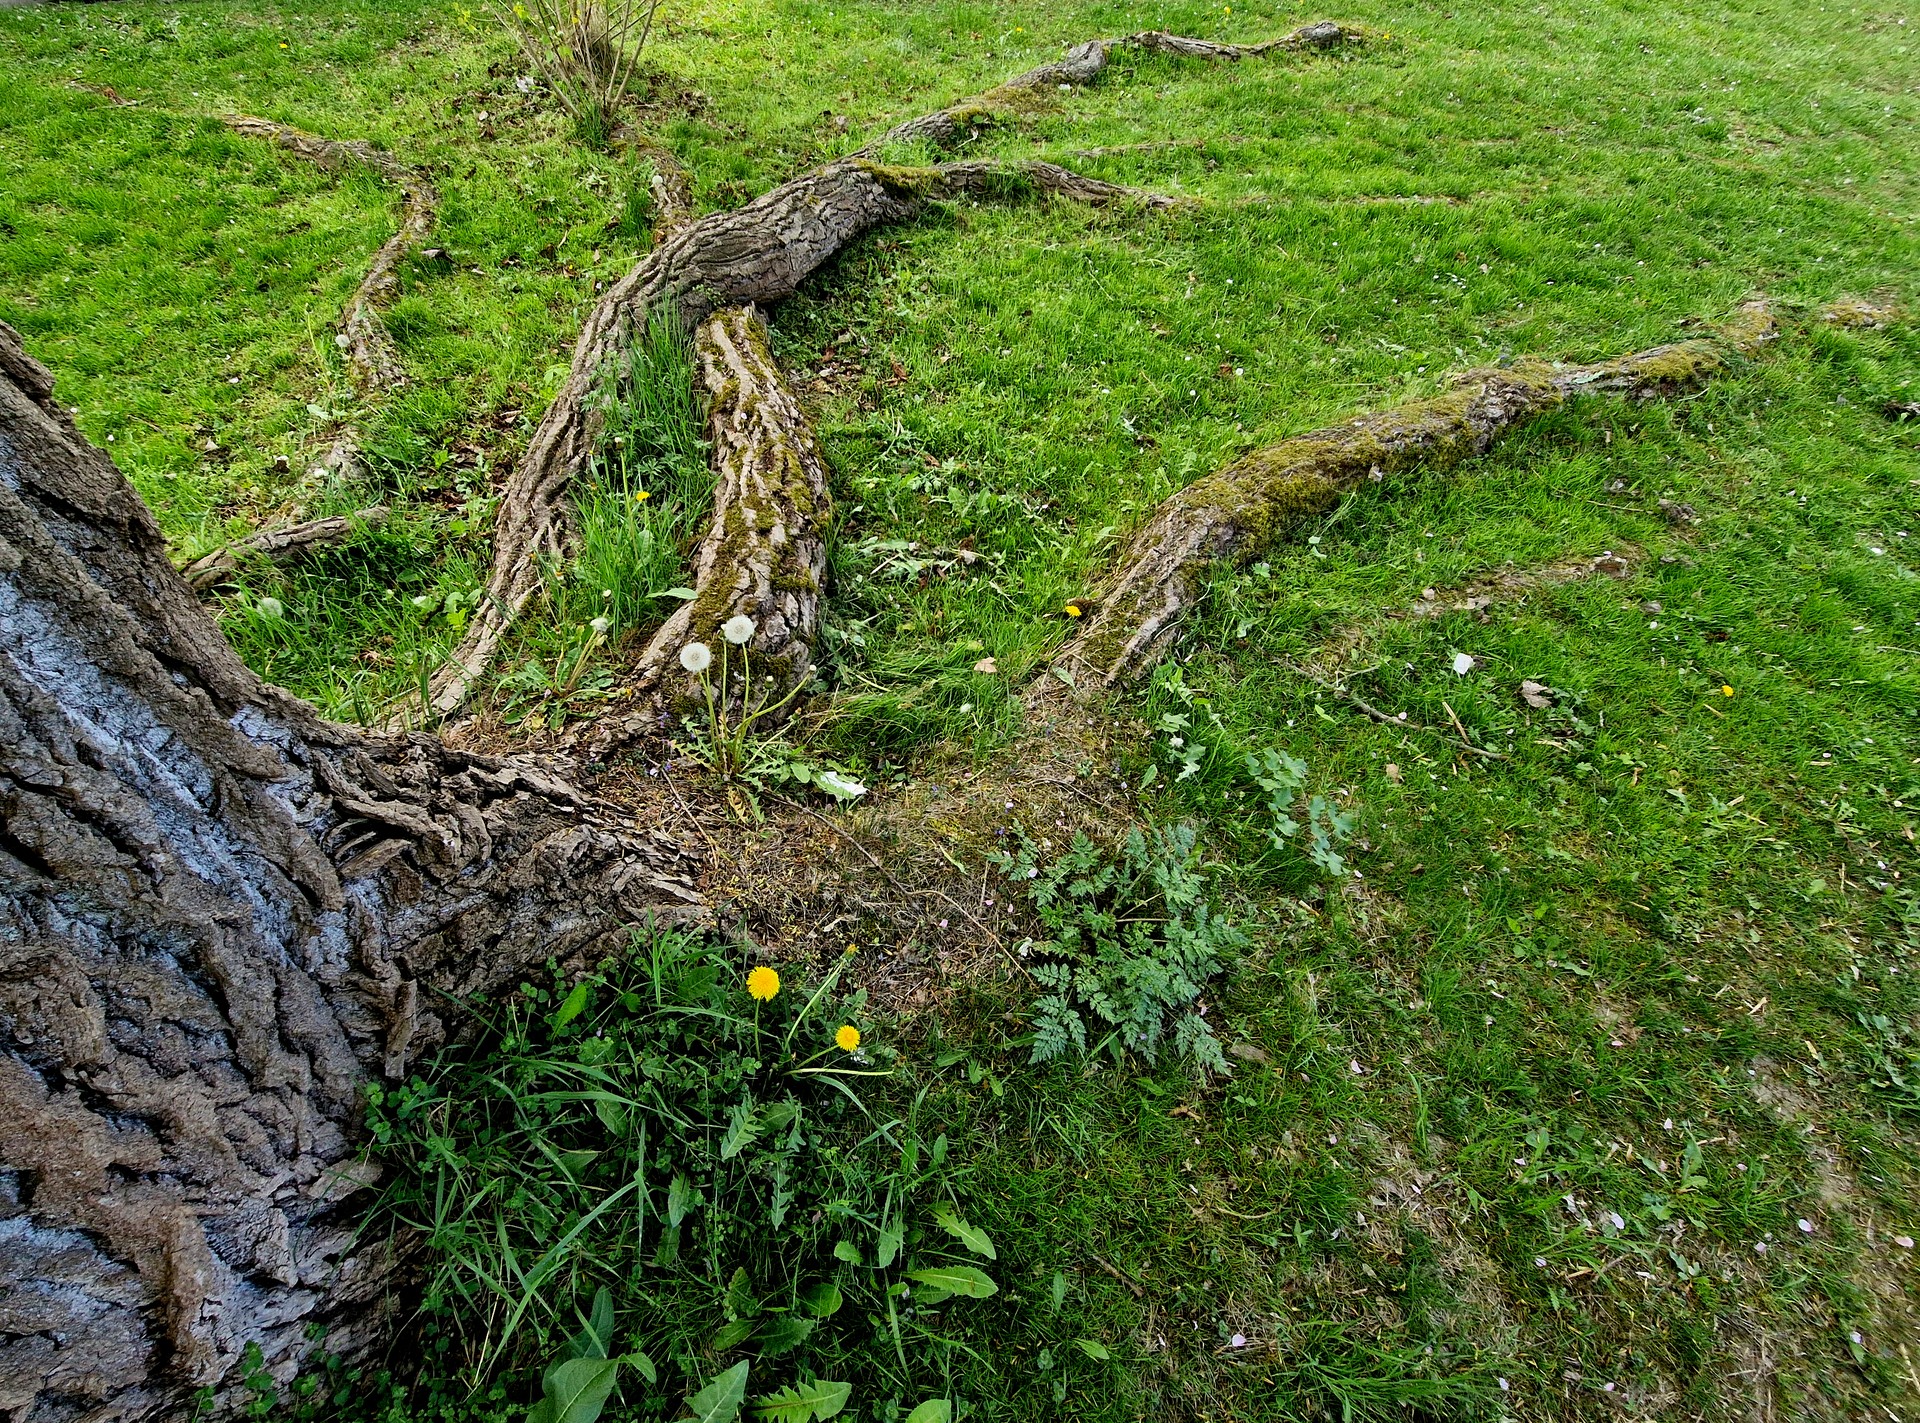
x: 282, y: 546
x: 371, y: 358
x: 1243, y: 509
x: 765, y: 552
x: 220, y: 917
x: 759, y: 253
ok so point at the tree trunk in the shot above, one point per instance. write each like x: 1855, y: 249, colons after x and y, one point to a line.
x: 220, y: 917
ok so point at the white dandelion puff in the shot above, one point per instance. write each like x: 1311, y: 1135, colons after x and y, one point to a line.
x: 696, y: 657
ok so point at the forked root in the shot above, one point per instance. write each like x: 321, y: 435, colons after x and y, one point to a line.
x: 1242, y: 510
x: 759, y: 253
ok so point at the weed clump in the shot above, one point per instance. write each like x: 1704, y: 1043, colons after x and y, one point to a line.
x: 1134, y: 944
x: 690, y: 1143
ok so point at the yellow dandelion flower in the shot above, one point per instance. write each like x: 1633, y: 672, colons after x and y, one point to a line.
x: 848, y: 1038
x: 852, y: 949
x: 1074, y: 610
x: 642, y: 495
x: 763, y: 983
x: 1726, y: 691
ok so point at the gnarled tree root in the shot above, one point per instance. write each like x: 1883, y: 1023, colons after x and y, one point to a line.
x: 765, y: 554
x: 371, y: 357
x: 1243, y: 509
x: 1082, y: 65
x: 758, y: 253
x: 281, y: 546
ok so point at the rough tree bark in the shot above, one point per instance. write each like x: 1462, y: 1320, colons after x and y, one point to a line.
x: 765, y: 553
x: 761, y: 253
x: 284, y: 545
x: 1241, y: 510
x: 219, y: 918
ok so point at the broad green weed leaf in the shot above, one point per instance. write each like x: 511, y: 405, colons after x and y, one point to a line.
x: 1092, y: 1348
x: 888, y: 1245
x: 575, y: 1005
x: 594, y: 1341
x: 822, y: 1300
x: 740, y: 1294
x: 783, y: 1334
x: 742, y: 1127
x: 643, y: 1363
x: 720, y: 1400
x: 1059, y: 1290
x: 578, y: 1389
x: 681, y: 1198
x: 803, y: 1402
x: 733, y: 1334
x: 971, y: 1236
x: 956, y: 1280
x: 848, y: 1251
x: 934, y: 1410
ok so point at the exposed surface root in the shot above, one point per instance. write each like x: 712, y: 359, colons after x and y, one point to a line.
x: 758, y: 253
x: 370, y: 354
x: 1855, y: 314
x: 1082, y: 65
x: 764, y: 555
x: 1243, y: 508
x: 283, y: 545
x: 671, y: 188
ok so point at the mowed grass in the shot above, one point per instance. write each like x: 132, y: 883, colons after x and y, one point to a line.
x: 1589, y: 1024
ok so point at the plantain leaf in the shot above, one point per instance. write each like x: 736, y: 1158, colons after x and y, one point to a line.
x: 577, y: 1390
x: 782, y: 1334
x: 934, y: 1410
x: 822, y: 1300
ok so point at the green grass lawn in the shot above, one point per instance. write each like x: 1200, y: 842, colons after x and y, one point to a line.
x: 1591, y: 1088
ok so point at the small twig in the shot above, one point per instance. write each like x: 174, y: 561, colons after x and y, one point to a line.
x: 1398, y: 722
x: 1237, y: 1215
x: 1454, y: 716
x: 667, y: 776
x: 1139, y: 1290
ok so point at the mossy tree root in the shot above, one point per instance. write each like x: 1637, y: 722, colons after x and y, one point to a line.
x: 759, y: 253
x: 1242, y: 510
x: 281, y: 546
x: 765, y: 554
x: 371, y: 357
